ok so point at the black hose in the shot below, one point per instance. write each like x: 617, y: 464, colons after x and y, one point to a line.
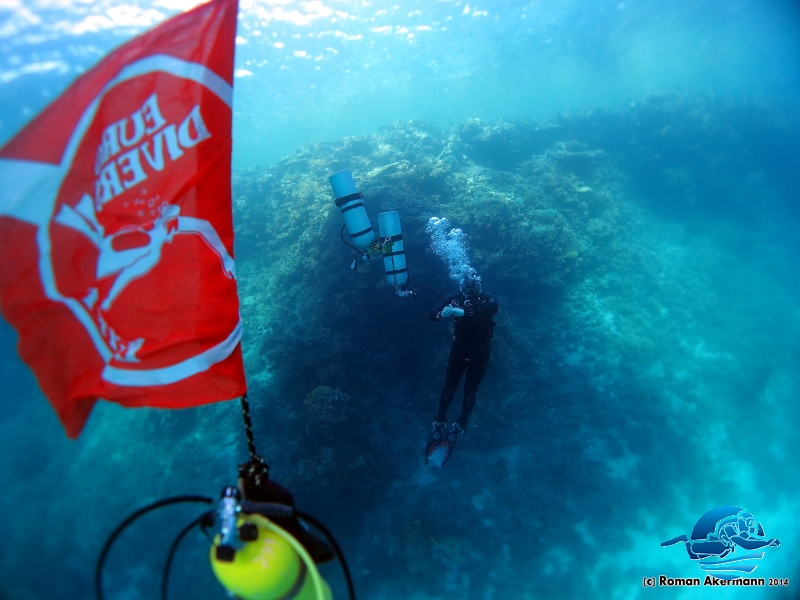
x: 341, y: 235
x: 174, y: 548
x: 98, y: 570
x: 336, y: 550
x: 429, y: 289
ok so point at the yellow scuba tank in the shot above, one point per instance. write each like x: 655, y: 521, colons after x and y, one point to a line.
x: 274, y: 566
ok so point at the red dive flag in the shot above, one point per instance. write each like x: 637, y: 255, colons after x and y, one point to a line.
x: 116, y: 233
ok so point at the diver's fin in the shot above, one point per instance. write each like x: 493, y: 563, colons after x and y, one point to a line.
x: 439, y: 455
x: 440, y: 446
x: 435, y: 440
x: 680, y: 538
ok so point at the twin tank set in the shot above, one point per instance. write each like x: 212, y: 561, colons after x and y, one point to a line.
x: 362, y: 236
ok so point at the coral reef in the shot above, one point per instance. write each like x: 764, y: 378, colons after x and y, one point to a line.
x: 596, y: 341
x: 326, y: 405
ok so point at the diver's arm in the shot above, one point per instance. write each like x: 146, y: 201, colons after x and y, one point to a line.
x: 484, y: 309
x: 436, y: 313
x: 753, y: 542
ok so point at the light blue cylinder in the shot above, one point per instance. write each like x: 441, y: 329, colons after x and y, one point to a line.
x: 394, y: 260
x: 351, y: 203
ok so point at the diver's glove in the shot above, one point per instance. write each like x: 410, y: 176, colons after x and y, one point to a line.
x: 452, y: 311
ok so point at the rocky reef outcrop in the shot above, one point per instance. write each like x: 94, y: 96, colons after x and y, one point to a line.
x: 609, y: 326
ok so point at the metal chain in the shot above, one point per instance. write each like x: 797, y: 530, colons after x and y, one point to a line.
x: 248, y: 429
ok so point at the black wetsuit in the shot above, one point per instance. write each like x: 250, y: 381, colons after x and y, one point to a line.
x: 470, y: 351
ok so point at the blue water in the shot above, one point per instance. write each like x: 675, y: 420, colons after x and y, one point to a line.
x: 625, y: 177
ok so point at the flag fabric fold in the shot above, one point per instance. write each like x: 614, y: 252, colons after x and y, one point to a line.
x: 116, y: 230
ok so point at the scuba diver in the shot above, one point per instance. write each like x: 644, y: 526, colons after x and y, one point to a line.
x: 472, y: 313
